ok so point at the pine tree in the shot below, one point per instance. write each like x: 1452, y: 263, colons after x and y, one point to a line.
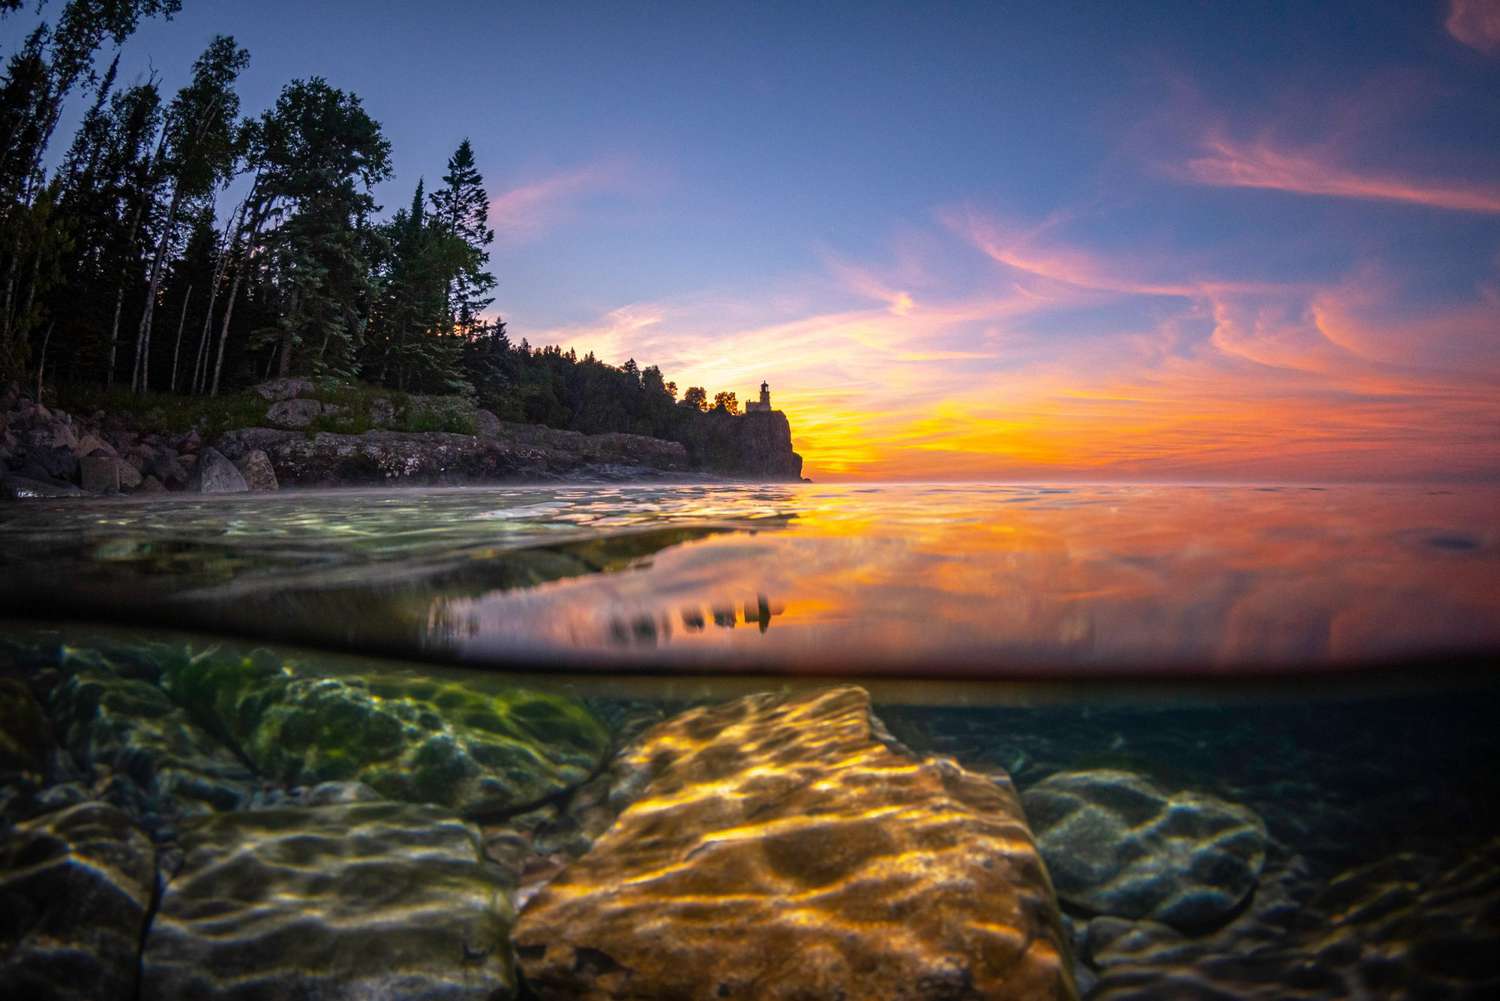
x: 460, y: 208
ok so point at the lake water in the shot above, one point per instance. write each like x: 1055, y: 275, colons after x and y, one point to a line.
x: 1253, y: 729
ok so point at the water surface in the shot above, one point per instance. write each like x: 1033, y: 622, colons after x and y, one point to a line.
x: 975, y: 580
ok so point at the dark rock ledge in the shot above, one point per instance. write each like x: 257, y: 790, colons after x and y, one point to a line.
x: 46, y: 452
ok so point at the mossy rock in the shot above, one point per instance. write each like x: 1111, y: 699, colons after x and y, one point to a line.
x: 473, y: 748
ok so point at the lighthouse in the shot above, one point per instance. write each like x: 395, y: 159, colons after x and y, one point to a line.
x: 752, y: 406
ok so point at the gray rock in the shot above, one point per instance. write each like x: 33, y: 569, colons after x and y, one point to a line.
x: 166, y: 467
x: 51, y: 462
x: 91, y: 443
x: 284, y: 389
x: 130, y: 477
x: 293, y: 413
x: 356, y: 901
x: 214, y: 474
x: 151, y: 485
x: 382, y: 412
x: 486, y: 424
x: 255, y: 467
x: 1118, y: 845
x: 100, y: 474
x: 76, y: 885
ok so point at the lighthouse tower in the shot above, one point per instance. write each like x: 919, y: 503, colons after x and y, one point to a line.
x: 752, y: 406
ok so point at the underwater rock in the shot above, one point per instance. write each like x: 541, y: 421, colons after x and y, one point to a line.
x: 338, y: 903
x: 1118, y: 845
x: 75, y: 887
x: 214, y: 474
x: 1405, y: 927
x: 255, y: 467
x: 780, y: 849
x: 27, y: 750
x: 407, y: 736
x: 128, y: 728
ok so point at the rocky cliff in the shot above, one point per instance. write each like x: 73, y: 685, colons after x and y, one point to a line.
x: 508, y: 452
x: 753, y: 445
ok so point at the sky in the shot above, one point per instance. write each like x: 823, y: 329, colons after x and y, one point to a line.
x: 1166, y: 241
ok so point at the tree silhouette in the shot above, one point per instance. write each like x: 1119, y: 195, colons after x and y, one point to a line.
x: 726, y: 401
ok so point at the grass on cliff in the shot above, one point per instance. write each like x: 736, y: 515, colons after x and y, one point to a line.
x: 213, y: 415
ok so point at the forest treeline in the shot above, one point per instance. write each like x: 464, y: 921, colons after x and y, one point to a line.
x: 124, y: 263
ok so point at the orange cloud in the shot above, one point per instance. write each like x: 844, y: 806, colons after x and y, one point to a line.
x: 1261, y: 165
x: 524, y: 212
x: 1475, y: 23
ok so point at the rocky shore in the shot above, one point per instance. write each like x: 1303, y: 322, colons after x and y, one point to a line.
x: 47, y: 452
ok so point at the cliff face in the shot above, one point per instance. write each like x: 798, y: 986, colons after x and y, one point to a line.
x: 756, y: 445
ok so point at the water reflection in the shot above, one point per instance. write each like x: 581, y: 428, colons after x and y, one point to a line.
x: 960, y: 578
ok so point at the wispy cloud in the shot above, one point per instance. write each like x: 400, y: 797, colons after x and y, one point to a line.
x: 528, y: 210
x: 1039, y: 371
x: 1262, y: 164
x: 1475, y: 23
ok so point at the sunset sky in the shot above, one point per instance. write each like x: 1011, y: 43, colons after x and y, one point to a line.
x: 1166, y: 241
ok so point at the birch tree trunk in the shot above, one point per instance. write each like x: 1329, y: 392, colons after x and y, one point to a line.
x: 176, y: 351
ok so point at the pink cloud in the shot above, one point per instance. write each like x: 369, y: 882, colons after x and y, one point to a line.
x: 1475, y: 23
x: 1231, y: 164
x: 526, y: 211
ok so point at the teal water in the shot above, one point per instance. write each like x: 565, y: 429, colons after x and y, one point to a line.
x: 1164, y: 674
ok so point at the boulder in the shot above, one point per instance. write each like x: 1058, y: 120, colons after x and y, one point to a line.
x: 76, y: 885
x: 214, y: 474
x: 91, y: 443
x: 283, y: 389
x: 100, y: 474
x: 340, y: 903
x: 471, y: 747
x: 130, y: 477
x: 151, y: 485
x: 1117, y: 844
x: 255, y: 467
x: 779, y: 847
x: 166, y: 467
x: 382, y: 412
x: 293, y: 413
x: 486, y: 424
x: 51, y: 463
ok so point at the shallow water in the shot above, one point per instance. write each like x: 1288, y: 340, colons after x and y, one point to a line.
x: 921, y: 579
x: 1310, y: 669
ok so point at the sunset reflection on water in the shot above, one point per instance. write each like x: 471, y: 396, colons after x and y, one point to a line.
x: 1012, y: 578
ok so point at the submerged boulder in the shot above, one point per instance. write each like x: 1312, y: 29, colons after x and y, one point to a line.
x: 777, y: 848
x: 407, y: 736
x: 1118, y: 845
x: 163, y: 764
x: 75, y: 888
x: 340, y: 903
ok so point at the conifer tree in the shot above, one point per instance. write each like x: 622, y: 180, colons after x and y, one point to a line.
x: 460, y: 208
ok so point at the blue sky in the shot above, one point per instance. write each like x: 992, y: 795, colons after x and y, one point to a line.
x: 1146, y: 240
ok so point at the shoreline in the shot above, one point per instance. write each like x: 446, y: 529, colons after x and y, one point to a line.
x: 45, y: 452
